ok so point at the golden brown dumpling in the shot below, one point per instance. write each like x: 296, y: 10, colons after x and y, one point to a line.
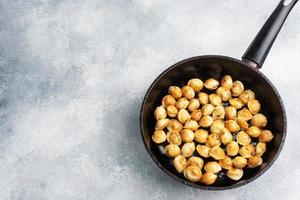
x: 174, y: 138
x: 187, y: 92
x: 201, y: 135
x: 239, y: 162
x: 174, y: 126
x: 259, y: 120
x: 187, y: 135
x: 224, y: 93
x: 188, y: 149
x: 226, y: 163
x: 211, y: 84
x: 159, y: 137
x: 265, y: 136
x: 196, y: 84
x: 206, y: 121
x: 254, y: 161
x: 160, y: 113
x: 235, y: 174
x: 175, y: 92
x: 232, y: 148
x: 172, y: 150
x: 203, y: 150
x: 168, y: 100
x: 180, y: 163
x: 212, y: 167
x: 182, y: 103
x: 246, y: 96
x: 227, y: 82
x: 213, y: 140
x: 208, y: 178
x: 247, y: 151
x: 192, y: 173
x: 217, y: 153
x: 196, y: 161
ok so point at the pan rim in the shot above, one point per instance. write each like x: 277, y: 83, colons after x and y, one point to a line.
x: 194, y: 185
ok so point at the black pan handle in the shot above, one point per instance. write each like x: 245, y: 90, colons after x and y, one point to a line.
x: 261, y: 45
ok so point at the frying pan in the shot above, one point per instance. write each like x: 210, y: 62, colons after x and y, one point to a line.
x: 215, y: 66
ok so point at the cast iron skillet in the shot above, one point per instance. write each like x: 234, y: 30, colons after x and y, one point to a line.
x: 246, y: 70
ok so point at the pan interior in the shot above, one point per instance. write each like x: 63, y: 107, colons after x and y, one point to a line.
x: 215, y: 67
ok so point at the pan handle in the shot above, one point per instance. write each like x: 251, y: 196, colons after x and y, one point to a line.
x: 259, y: 48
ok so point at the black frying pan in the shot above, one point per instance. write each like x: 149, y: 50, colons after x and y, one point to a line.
x: 204, y: 67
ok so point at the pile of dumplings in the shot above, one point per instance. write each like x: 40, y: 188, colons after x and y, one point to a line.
x: 205, y: 133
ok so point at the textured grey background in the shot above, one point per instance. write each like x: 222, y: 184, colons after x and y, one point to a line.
x: 72, y: 78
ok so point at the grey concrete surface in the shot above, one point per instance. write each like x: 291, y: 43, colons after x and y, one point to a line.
x: 72, y: 78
